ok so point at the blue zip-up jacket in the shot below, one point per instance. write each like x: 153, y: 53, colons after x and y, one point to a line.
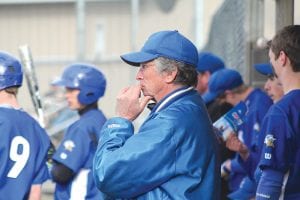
x: 173, y: 155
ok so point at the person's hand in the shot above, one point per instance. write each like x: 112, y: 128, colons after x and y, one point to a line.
x: 130, y: 104
x: 234, y: 144
x: 226, y: 168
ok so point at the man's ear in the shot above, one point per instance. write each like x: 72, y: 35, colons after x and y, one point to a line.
x: 283, y: 58
x: 170, y: 76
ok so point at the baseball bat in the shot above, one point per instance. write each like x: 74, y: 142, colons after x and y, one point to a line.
x: 32, y: 83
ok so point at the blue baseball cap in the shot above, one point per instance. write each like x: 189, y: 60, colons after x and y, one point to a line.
x: 209, y: 62
x: 246, y: 190
x: 220, y: 81
x: 169, y: 44
x: 264, y: 68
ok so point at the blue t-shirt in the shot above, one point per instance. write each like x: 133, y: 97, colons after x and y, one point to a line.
x: 76, y: 151
x: 281, y: 150
x: 23, y: 149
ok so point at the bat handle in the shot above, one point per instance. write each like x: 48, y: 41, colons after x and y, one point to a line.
x: 41, y: 117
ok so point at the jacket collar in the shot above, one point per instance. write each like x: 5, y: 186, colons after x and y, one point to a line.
x: 168, y: 99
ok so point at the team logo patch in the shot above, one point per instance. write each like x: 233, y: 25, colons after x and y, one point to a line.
x: 69, y: 145
x: 269, y: 140
x: 63, y: 156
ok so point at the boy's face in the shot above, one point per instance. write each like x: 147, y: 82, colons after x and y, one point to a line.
x: 72, y: 99
x: 273, y: 88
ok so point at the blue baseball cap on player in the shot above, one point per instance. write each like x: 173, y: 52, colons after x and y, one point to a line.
x: 209, y: 62
x: 169, y: 44
x: 264, y: 68
x: 220, y: 81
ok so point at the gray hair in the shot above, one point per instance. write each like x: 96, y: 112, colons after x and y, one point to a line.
x: 186, y: 75
x: 12, y: 90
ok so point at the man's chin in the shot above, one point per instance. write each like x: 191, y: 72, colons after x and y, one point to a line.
x: 146, y: 94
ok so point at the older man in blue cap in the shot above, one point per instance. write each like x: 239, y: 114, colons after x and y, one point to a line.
x: 228, y: 85
x: 174, y: 153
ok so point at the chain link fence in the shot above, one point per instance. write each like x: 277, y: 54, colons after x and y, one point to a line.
x: 227, y: 37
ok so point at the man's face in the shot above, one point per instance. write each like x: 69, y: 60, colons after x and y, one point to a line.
x: 274, y: 88
x: 151, y: 80
x: 202, y: 85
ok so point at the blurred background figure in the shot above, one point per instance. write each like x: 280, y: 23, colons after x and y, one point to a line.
x: 58, y: 115
x: 84, y: 86
x: 248, y: 186
x: 227, y: 85
x: 208, y: 63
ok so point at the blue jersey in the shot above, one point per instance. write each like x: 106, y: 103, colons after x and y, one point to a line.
x: 76, y: 151
x: 173, y: 155
x: 281, y: 150
x: 23, y: 149
x: 258, y: 104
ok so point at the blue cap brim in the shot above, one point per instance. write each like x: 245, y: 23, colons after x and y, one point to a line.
x: 209, y: 62
x: 137, y: 58
x: 265, y: 69
x: 63, y: 83
x: 58, y: 82
x: 209, y: 97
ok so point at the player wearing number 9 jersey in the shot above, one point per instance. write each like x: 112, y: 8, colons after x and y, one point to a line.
x: 23, y: 143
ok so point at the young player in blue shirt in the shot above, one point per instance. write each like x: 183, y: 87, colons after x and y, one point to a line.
x: 249, y: 158
x: 73, y: 159
x: 227, y: 85
x: 280, y: 158
x: 24, y: 144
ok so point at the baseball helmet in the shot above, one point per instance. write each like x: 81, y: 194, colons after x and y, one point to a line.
x: 10, y: 71
x: 89, y: 80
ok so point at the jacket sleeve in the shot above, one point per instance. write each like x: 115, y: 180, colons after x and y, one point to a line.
x: 126, y: 164
x: 270, y: 185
